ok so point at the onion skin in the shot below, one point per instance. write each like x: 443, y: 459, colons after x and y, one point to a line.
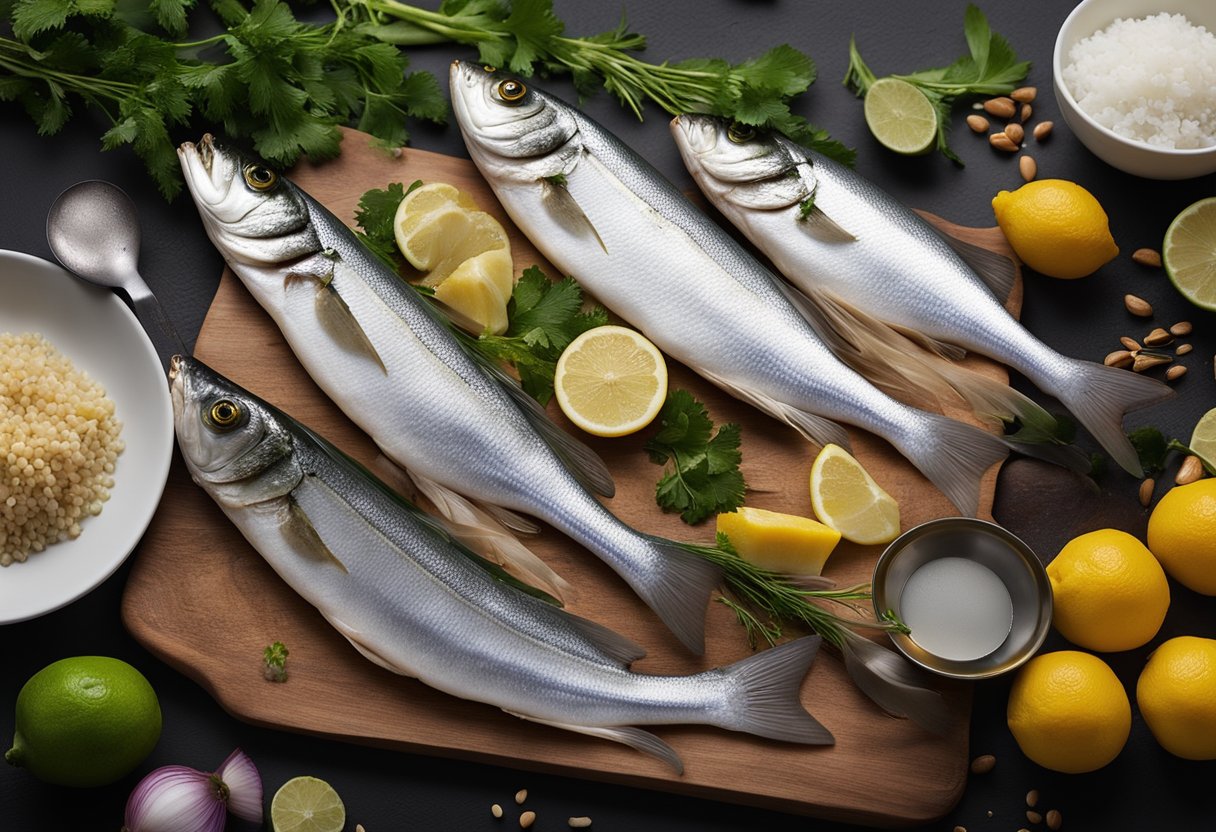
x: 244, y: 784
x: 183, y: 799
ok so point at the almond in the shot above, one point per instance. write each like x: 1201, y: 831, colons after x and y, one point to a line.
x: 977, y: 123
x: 1000, y: 107
x: 1157, y: 338
x: 1181, y: 328
x: 1042, y: 130
x: 1147, y: 257
x: 1174, y: 373
x: 1138, y: 306
x: 1190, y: 470
x: 1118, y: 358
x: 1028, y: 168
x: 1002, y: 142
x: 1015, y: 132
x: 1024, y: 94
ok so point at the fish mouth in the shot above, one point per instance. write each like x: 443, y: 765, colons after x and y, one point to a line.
x: 207, y: 180
x: 698, y: 132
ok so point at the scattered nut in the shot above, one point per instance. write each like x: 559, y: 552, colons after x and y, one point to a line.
x: 527, y: 819
x: 1183, y: 349
x: 1032, y: 798
x: 1000, y: 107
x: 1042, y: 130
x: 1138, y: 306
x: 1024, y: 94
x: 960, y: 829
x: 977, y: 123
x: 1118, y: 358
x: 1175, y: 373
x: 1033, y: 816
x: 1002, y: 142
x: 1147, y: 257
x: 1157, y: 338
x: 1024, y: 115
x: 989, y: 813
x: 1015, y: 132
x: 1028, y: 168
x: 1146, y: 497
x: 579, y: 823
x: 1054, y: 819
x: 521, y: 796
x: 1023, y: 829
x: 359, y: 828
x: 1190, y: 470
x: 1131, y: 343
x: 1145, y: 361
x: 1181, y: 328
x: 983, y: 764
x: 496, y: 810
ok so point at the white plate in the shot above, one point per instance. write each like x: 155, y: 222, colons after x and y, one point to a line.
x: 100, y: 335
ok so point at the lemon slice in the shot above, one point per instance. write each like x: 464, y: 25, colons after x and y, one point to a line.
x: 900, y: 117
x: 611, y: 381
x: 1189, y: 253
x: 1203, y: 438
x: 307, y: 804
x: 779, y: 542
x: 848, y: 500
x: 438, y: 227
x: 479, y: 289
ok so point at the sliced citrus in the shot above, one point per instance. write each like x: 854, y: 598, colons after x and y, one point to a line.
x: 900, y: 116
x: 438, y: 227
x: 307, y: 804
x: 611, y: 381
x: 479, y: 289
x: 779, y: 542
x: 847, y: 499
x: 1189, y: 253
x: 1203, y: 439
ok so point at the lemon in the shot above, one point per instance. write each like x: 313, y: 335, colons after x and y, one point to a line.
x: 900, y: 117
x: 1056, y: 227
x: 847, y: 499
x: 438, y: 227
x: 1182, y: 534
x: 307, y: 804
x: 1109, y: 592
x: 779, y: 542
x: 85, y: 721
x: 1203, y: 438
x: 1068, y: 712
x: 479, y: 289
x: 1189, y: 253
x: 611, y: 381
x: 1176, y: 694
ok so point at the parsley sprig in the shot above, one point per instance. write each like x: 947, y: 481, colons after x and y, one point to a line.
x: 991, y: 68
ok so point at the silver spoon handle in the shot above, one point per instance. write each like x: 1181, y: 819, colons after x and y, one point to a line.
x: 164, y: 337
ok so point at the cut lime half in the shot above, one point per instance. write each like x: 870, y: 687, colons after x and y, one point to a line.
x: 900, y: 116
x: 307, y: 804
x: 1203, y: 439
x: 1189, y: 253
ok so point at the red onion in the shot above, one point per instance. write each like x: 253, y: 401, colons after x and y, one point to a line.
x: 183, y: 799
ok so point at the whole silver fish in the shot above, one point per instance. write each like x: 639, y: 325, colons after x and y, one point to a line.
x: 456, y: 423
x: 411, y: 599
x: 845, y: 242
x: 603, y: 215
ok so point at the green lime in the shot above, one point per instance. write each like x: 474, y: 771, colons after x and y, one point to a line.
x: 1203, y: 438
x: 1189, y: 253
x: 307, y: 804
x: 84, y: 721
x: 900, y: 116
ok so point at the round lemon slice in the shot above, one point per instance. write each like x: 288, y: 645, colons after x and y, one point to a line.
x: 611, y: 381
x: 1189, y: 253
x: 847, y: 499
x: 900, y: 116
x: 307, y: 804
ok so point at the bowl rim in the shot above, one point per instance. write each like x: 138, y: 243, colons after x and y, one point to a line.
x: 1062, y: 89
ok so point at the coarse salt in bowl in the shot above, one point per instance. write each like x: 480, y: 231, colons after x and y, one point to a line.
x: 1136, y: 101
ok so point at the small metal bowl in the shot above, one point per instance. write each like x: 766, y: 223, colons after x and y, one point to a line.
x: 991, y: 546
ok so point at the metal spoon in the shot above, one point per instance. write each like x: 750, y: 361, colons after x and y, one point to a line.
x: 94, y: 231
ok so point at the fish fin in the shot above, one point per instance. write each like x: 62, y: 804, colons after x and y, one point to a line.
x: 996, y: 270
x: 894, y: 684
x: 512, y: 520
x: 566, y: 210
x: 677, y: 588
x: 617, y: 647
x: 822, y: 227
x: 305, y: 533
x: 767, y: 687
x: 367, y: 652
x: 635, y: 738
x: 337, y: 319
x: 478, y: 530
x: 1099, y: 396
x: 814, y: 428
x: 954, y: 456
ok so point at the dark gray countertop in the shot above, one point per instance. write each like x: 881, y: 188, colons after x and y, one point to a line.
x: 1144, y: 789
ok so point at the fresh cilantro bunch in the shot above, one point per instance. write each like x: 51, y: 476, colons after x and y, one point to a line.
x: 704, y: 477
x: 992, y: 68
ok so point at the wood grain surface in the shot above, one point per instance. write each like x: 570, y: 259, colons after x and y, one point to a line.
x: 201, y: 599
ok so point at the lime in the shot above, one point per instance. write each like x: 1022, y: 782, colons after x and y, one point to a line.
x: 1203, y: 439
x: 85, y: 721
x: 1189, y: 253
x: 307, y: 804
x: 611, y: 381
x: 900, y: 117
x: 846, y: 498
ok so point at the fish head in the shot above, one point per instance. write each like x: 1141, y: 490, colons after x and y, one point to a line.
x: 253, y: 215
x: 235, y: 445
x: 740, y: 164
x: 513, y: 130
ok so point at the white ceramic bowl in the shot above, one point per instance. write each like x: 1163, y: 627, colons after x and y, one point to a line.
x: 1129, y: 156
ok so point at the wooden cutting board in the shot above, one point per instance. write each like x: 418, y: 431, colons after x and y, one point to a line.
x: 201, y: 598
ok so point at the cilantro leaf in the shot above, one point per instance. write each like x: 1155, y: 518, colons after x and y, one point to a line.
x: 374, y: 216
x: 701, y: 476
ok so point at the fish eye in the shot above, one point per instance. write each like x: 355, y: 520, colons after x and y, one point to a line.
x: 224, y: 414
x: 260, y: 178
x: 740, y: 133
x: 511, y: 91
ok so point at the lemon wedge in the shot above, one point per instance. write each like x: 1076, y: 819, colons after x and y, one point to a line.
x: 479, y: 289
x: 779, y: 542
x: 438, y: 227
x: 847, y: 499
x: 611, y: 381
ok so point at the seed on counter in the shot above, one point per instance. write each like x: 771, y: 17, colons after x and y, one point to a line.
x: 1138, y: 306
x: 1032, y: 798
x: 527, y: 819
x: 1119, y: 358
x: 359, y: 828
x: 579, y: 823
x: 1000, y: 107
x: 1042, y: 130
x: 1025, y: 113
x: 521, y: 796
x: 1015, y: 132
x: 1145, y: 361
x: 1158, y: 338
x: 1147, y: 257
x: 1024, y: 94
x: 1131, y: 343
x: 1146, y: 497
x: 960, y: 829
x: 1183, y: 349
x: 1028, y: 168
x: 1054, y: 819
x: 1175, y: 373
x: 1033, y: 816
x: 1002, y: 142
x: 977, y: 123
x: 1189, y: 471
x: 983, y: 764
x: 1181, y: 328
x: 496, y: 810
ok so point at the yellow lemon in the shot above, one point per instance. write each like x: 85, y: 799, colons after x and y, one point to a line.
x: 1110, y: 593
x: 846, y: 498
x: 1068, y: 712
x: 479, y: 289
x: 778, y: 542
x: 1056, y: 227
x: 438, y: 227
x: 1176, y: 694
x: 611, y: 381
x: 1182, y: 534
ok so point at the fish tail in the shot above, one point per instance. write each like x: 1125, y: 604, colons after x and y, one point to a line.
x: 678, y: 589
x: 954, y: 456
x: 1099, y: 396
x: 768, y: 703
